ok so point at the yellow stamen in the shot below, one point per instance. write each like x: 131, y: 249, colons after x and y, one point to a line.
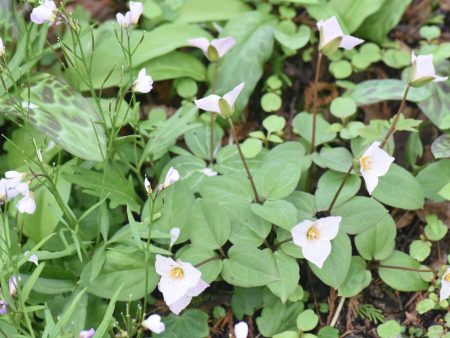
x: 176, y: 273
x: 447, y: 276
x: 312, y: 233
x: 365, y: 162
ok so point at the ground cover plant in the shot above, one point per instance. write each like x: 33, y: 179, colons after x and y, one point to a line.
x: 225, y: 168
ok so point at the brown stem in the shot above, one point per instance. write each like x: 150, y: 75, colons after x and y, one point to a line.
x: 336, y: 195
x: 213, y: 115
x: 249, y: 175
x: 396, y: 118
x: 282, y: 242
x: 206, y: 261
x: 404, y: 268
x: 314, y: 109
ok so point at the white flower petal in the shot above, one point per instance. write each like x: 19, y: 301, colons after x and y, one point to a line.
x: 87, y: 333
x: 27, y: 204
x: 371, y: 181
x: 171, y: 177
x: 445, y: 286
x: 223, y: 45
x: 317, y: 252
x: 136, y: 10
x: 381, y: 162
x: 172, y: 289
x: 331, y: 30
x: 440, y: 78
x: 232, y: 95
x: 197, y: 289
x: 163, y: 265
x: 180, y: 304
x: 328, y: 227
x: 192, y: 275
x: 208, y: 172
x: 348, y: 42
x: 174, y: 234
x: 201, y: 43
x: 209, y: 103
x: 241, y: 330
x: 299, y: 233
x: 143, y: 83
x: 33, y: 258
x: 154, y: 324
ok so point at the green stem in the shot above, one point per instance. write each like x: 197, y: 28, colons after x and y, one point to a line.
x: 314, y: 111
x: 206, y: 261
x: 147, y: 250
x: 213, y: 115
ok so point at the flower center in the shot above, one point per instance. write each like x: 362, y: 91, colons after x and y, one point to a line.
x: 447, y: 276
x: 366, y: 163
x: 312, y: 233
x: 176, y: 273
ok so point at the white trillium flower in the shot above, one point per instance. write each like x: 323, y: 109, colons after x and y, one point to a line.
x: 241, y: 330
x: 148, y: 186
x: 220, y: 105
x: 87, y: 333
x: 208, y: 172
x: 2, y: 48
x: 143, y: 83
x: 136, y: 10
x: 33, y: 258
x: 215, y: 49
x: 45, y: 12
x: 314, y: 237
x: 422, y: 71
x: 179, y: 282
x: 332, y: 37
x: 374, y: 163
x: 124, y: 20
x: 154, y: 324
x: 174, y: 234
x: 27, y: 204
x: 445, y: 286
x: 171, y: 177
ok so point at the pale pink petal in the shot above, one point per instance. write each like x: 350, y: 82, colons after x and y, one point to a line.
x: 424, y: 67
x: 223, y: 45
x: 371, y: 181
x: 163, y: 265
x: 192, y: 275
x: 317, y: 252
x: 172, y: 289
x: 299, y: 233
x: 331, y: 30
x: 445, y: 287
x: 180, y: 304
x: 381, y: 162
x: 440, y: 78
x: 232, y: 95
x: 209, y: 103
x: 328, y: 227
x: 136, y: 10
x: 348, y: 42
x: 201, y: 43
x: 197, y: 289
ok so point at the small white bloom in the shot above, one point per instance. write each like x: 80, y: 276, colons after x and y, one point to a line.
x: 2, y: 48
x: 241, y: 330
x: 13, y: 284
x: 124, y: 20
x: 445, y: 286
x: 33, y: 258
x: 87, y: 333
x: 27, y: 204
x: 174, y: 234
x: 220, y: 105
x: 148, y: 186
x: 314, y: 237
x: 154, y: 324
x: 215, y: 49
x: 12, y: 185
x: 45, y: 12
x: 208, y: 172
x: 143, y: 83
x: 422, y: 71
x: 171, y: 177
x: 136, y: 10
x: 179, y: 282
x: 332, y: 37
x: 374, y: 163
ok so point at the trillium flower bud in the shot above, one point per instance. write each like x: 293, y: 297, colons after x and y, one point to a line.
x: 154, y: 324
x: 241, y: 330
x: 45, y: 12
x: 215, y: 49
x: 174, y: 234
x: 422, y: 71
x: 143, y: 83
x: 124, y: 20
x: 136, y: 10
x: 374, y: 163
x: 148, y: 186
x: 332, y: 37
x: 221, y: 105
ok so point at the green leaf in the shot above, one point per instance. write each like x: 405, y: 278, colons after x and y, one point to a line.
x: 191, y: 323
x: 198, y: 140
x: 399, y: 189
x: 253, y: 33
x: 66, y: 117
x: 329, y: 184
x: 248, y: 266
x: 435, y: 229
x: 425, y: 305
x: 420, y: 250
x: 307, y: 320
x: 293, y: 41
x: 358, y: 278
x: 210, y: 10
x: 106, y: 321
x: 396, y: 58
x: 304, y: 202
x: 274, y: 123
x: 341, y: 69
x: 338, y: 159
x: 359, y: 214
x: 289, y: 273
x: 335, y: 269
x: 437, y: 106
x: 343, y: 107
x: 441, y: 146
x: 195, y: 254
x: 229, y: 161
x: 271, y: 102
x: 373, y: 91
x: 278, y: 318
x: 402, y: 280
x: 245, y: 301
x: 433, y: 177
x: 120, y: 267
x: 251, y: 147
x: 390, y: 329
x: 227, y: 189
x: 376, y: 26
x: 377, y: 242
x: 276, y: 180
x: 280, y: 213
x: 302, y: 125
x: 209, y: 223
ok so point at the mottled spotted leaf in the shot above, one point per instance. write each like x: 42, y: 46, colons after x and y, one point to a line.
x: 67, y: 118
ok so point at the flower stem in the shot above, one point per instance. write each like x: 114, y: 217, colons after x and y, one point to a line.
x: 404, y: 268
x: 338, y: 311
x: 147, y: 250
x: 249, y: 175
x: 336, y: 195
x: 213, y: 115
x: 206, y: 261
x: 314, y: 109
